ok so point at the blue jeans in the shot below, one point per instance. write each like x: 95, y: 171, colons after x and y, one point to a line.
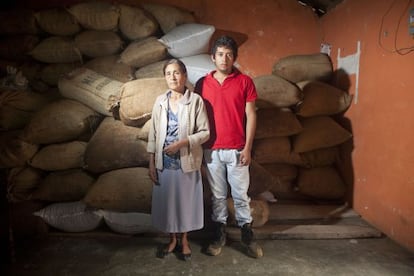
x: 223, y: 166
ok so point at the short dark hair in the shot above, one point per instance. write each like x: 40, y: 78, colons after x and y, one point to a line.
x: 227, y: 42
x: 175, y: 61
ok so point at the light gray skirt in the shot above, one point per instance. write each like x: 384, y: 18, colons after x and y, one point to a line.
x: 177, y: 202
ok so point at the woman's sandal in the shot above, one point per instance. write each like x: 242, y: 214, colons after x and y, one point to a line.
x: 185, y: 256
x: 164, y: 251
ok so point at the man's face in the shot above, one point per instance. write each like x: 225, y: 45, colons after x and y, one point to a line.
x: 223, y: 59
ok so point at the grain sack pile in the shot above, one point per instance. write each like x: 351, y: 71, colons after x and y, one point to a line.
x: 298, y: 136
x: 75, y: 105
x: 76, y: 98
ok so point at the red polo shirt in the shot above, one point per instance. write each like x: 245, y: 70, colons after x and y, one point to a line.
x: 226, y: 105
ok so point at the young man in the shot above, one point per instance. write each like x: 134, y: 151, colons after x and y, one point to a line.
x: 229, y: 97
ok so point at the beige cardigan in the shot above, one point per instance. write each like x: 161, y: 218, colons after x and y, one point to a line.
x: 192, y: 123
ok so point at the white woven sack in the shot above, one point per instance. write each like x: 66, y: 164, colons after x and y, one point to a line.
x: 89, y: 88
x: 198, y: 66
x: 188, y: 39
x: 128, y: 222
x: 71, y: 216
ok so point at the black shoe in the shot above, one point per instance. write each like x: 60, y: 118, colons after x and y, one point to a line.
x: 214, y: 248
x: 247, y: 238
x: 186, y: 257
x: 164, y: 252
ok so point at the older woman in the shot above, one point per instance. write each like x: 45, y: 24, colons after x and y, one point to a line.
x: 179, y: 128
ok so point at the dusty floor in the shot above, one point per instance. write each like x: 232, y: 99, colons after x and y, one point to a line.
x: 135, y: 255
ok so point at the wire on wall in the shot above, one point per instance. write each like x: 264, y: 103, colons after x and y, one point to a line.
x: 400, y: 51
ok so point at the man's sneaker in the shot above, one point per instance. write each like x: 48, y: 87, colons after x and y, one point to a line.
x: 247, y: 239
x: 219, y: 241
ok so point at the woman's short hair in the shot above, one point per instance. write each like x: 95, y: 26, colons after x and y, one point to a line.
x: 227, y: 42
x: 181, y: 65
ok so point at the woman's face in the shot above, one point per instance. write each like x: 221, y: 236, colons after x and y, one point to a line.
x: 175, y: 78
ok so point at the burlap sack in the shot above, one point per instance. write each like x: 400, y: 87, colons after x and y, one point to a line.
x: 24, y: 100
x: 60, y: 186
x: 259, y: 210
x: 281, y: 171
x: 96, y: 15
x: 273, y: 122
x: 56, y: 49
x: 57, y: 21
x: 93, y: 43
x: 260, y: 179
x: 153, y: 70
x: 168, y: 16
x: 16, y: 47
x: 63, y: 156
x: 13, y: 118
x: 273, y: 150
x: 17, y: 107
x: 321, y: 183
x: 320, y: 157
x: 285, y: 175
x: 319, y: 132
x: 144, y: 52
x: 135, y: 23
x: 111, y: 67
x: 322, y: 99
x: 144, y: 130
x: 21, y: 182
x: 123, y: 190
x: 18, y: 21
x: 14, y: 150
x: 114, y: 146
x: 90, y: 88
x: 31, y: 70
x: 52, y: 73
x: 274, y: 91
x: 137, y: 98
x: 188, y: 40
x: 298, y: 68
x: 61, y: 121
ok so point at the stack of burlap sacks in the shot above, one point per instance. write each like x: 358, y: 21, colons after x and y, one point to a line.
x: 298, y: 136
x: 74, y: 142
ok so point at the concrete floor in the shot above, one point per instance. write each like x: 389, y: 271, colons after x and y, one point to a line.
x: 135, y: 255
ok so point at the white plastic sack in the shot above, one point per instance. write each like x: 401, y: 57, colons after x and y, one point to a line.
x: 129, y: 222
x: 188, y: 39
x: 71, y: 216
x: 198, y: 66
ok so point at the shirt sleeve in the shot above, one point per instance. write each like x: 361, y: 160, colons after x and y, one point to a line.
x: 251, y: 93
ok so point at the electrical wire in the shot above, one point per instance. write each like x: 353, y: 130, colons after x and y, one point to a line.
x: 400, y: 51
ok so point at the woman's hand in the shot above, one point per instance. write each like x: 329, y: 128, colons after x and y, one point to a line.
x: 175, y: 147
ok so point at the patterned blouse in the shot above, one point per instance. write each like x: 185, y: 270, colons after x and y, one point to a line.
x: 171, y: 162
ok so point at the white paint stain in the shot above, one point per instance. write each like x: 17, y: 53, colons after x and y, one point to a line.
x: 350, y: 64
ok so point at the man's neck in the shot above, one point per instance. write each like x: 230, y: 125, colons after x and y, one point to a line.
x: 220, y: 76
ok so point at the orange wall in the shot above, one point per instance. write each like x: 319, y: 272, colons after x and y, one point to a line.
x: 381, y: 120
